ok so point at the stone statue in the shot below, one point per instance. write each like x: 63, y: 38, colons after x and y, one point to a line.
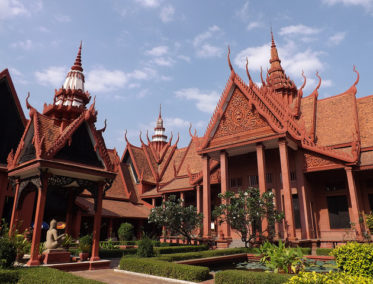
x: 53, y: 240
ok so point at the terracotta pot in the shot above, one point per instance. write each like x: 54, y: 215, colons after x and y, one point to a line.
x: 83, y: 256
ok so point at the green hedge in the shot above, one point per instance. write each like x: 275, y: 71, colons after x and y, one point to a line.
x: 249, y: 277
x: 165, y: 269
x: 355, y: 259
x: 323, y: 251
x: 331, y: 277
x: 37, y: 275
x: 9, y: 276
x: 306, y: 251
x: 117, y: 253
x: 203, y: 254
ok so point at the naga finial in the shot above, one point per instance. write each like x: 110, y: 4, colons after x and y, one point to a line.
x: 247, y: 70
x: 229, y: 59
x: 358, y: 76
x: 125, y: 136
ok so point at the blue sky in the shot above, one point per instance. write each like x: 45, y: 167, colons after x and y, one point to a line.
x: 140, y: 53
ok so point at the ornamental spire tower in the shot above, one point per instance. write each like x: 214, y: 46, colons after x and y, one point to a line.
x: 276, y: 77
x: 159, y: 139
x: 71, y: 99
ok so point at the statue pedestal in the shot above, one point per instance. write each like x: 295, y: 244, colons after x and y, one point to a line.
x: 53, y: 256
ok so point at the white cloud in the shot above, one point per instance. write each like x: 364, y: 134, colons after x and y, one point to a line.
x: 337, y: 38
x: 257, y: 56
x: 253, y: 25
x: 157, y: 51
x: 52, y: 76
x: 149, y: 3
x: 23, y: 44
x: 208, y: 50
x: 163, y: 61
x: 184, y: 57
x: 12, y: 8
x: 167, y: 13
x: 298, y: 29
x: 103, y: 80
x: 62, y: 18
x: 205, y: 101
x: 243, y: 12
x: 368, y: 4
x: 199, y: 39
x: 143, y: 74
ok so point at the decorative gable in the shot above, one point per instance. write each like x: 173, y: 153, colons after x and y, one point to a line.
x: 240, y: 116
x: 80, y: 148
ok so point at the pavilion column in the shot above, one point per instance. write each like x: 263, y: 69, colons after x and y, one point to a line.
x: 110, y: 229
x: 304, y: 203
x: 39, y: 214
x: 260, y: 157
x: 77, y: 223
x: 288, y: 202
x: 97, y: 225
x: 15, y: 210
x: 224, y: 188
x: 206, y: 197
x: 198, y: 204
x: 354, y: 201
x: 3, y: 191
x: 69, y: 214
x: 153, y: 202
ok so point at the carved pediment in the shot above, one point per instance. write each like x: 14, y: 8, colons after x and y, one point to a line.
x: 240, y: 116
x: 313, y: 160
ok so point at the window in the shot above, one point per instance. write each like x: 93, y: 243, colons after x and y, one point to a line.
x: 236, y: 182
x: 269, y: 178
x: 335, y: 186
x: 296, y: 211
x: 293, y: 176
x: 253, y: 180
x: 338, y: 212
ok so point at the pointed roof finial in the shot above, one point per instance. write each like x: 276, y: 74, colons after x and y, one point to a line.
x: 160, y: 111
x: 273, y: 40
x: 78, y: 61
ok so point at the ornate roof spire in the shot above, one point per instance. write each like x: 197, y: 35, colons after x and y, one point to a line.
x: 159, y: 130
x: 75, y: 78
x: 78, y: 61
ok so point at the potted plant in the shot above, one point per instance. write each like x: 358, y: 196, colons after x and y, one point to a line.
x: 85, y: 244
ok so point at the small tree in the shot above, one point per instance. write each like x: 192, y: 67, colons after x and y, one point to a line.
x: 126, y: 232
x: 178, y: 219
x: 145, y: 247
x: 245, y: 211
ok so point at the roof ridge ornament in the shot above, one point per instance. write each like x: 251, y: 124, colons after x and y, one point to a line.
x: 247, y: 71
x: 229, y: 59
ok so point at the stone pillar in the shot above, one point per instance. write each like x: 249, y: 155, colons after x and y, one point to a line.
x: 39, y: 214
x: 198, y: 198
x: 260, y: 158
x: 304, y: 203
x: 97, y: 225
x: 224, y: 187
x: 206, y: 197
x: 153, y: 202
x: 288, y: 202
x: 13, y: 219
x: 354, y: 201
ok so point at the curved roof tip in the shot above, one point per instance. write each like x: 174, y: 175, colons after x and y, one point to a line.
x: 177, y: 140
x: 125, y: 136
x: 104, y: 128
x: 247, y: 70
x: 147, y: 136
x: 229, y: 59
x: 358, y: 76
x: 261, y: 76
x: 304, y: 80
x: 142, y: 142
x: 319, y: 84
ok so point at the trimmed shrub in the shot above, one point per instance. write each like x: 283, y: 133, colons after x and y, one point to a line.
x: 331, y: 277
x: 369, y: 220
x: 145, y: 247
x: 9, y: 276
x: 85, y: 243
x: 355, y: 259
x: 323, y: 251
x: 116, y: 253
x: 45, y: 275
x: 126, y: 232
x: 306, y: 251
x: 8, y: 253
x: 178, y: 249
x: 165, y: 269
x: 203, y: 254
x: 249, y: 277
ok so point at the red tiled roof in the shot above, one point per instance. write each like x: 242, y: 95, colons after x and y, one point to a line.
x: 365, y: 113
x: 177, y: 183
x: 114, y: 208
